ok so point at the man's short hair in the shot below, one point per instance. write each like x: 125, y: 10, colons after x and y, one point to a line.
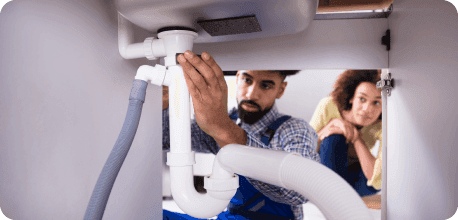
x: 282, y: 72
x: 285, y: 73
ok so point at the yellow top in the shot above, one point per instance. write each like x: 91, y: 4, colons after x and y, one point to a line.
x: 328, y: 110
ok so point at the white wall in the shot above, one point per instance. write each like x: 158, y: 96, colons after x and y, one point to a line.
x: 422, y: 111
x: 305, y: 90
x: 64, y: 93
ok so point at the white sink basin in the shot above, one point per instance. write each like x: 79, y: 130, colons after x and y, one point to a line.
x: 274, y: 17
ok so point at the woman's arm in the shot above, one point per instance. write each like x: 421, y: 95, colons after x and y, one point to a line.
x: 338, y: 126
x: 365, y: 157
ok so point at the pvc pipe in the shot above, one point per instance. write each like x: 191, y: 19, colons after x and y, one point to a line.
x: 154, y: 74
x: 179, y: 111
x: 327, y: 190
x: 127, y: 48
x: 102, y: 189
x: 222, y: 185
x: 150, y: 48
x: 189, y: 200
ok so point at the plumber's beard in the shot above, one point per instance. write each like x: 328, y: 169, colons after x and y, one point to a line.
x: 251, y: 117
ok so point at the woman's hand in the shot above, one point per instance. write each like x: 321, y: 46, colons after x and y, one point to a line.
x: 356, y: 135
x: 329, y: 130
x: 339, y: 126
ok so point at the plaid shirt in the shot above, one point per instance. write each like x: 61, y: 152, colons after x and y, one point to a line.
x: 294, y: 135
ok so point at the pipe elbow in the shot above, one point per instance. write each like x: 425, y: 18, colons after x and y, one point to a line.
x: 189, y: 200
x: 154, y: 74
x: 150, y: 48
x: 221, y: 186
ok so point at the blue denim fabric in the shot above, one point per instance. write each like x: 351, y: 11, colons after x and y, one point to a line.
x: 333, y: 154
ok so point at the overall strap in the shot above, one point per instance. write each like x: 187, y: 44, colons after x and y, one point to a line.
x: 269, y: 134
x: 233, y: 116
x: 257, y: 200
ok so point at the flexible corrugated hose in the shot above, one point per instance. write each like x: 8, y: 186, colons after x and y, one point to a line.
x: 102, y: 189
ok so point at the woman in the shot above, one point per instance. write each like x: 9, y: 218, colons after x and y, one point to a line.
x: 348, y: 124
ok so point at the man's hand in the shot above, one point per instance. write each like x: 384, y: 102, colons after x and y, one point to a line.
x: 208, y: 89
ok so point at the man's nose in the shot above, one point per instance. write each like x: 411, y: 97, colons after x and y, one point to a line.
x: 253, y: 93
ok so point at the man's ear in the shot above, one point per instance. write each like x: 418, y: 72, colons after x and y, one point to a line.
x: 281, y: 91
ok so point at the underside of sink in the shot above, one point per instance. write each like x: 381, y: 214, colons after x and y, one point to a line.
x: 227, y: 20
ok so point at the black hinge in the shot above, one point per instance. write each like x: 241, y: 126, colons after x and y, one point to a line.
x: 386, y: 40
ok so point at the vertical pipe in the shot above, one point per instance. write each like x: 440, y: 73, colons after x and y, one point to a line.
x: 180, y: 113
x: 181, y: 157
x: 384, y: 155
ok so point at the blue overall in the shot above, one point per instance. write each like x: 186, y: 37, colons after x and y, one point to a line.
x: 333, y: 154
x: 248, y: 203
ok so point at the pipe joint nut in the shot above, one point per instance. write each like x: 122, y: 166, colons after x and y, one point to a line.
x: 223, y: 189
x: 148, y: 48
x: 180, y: 159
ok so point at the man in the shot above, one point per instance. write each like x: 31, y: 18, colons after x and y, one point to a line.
x: 214, y: 128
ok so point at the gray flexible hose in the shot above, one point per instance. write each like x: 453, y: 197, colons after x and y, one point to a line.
x: 102, y: 189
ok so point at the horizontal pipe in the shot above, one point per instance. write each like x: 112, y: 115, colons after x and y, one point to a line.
x: 327, y: 190
x: 127, y: 48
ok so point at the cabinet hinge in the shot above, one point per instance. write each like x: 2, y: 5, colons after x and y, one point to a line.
x: 387, y: 83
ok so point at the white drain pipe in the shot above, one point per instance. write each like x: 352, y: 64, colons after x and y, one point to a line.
x: 221, y: 185
x: 150, y: 48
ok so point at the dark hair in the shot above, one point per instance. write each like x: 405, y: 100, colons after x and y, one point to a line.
x: 286, y: 73
x: 346, y: 83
